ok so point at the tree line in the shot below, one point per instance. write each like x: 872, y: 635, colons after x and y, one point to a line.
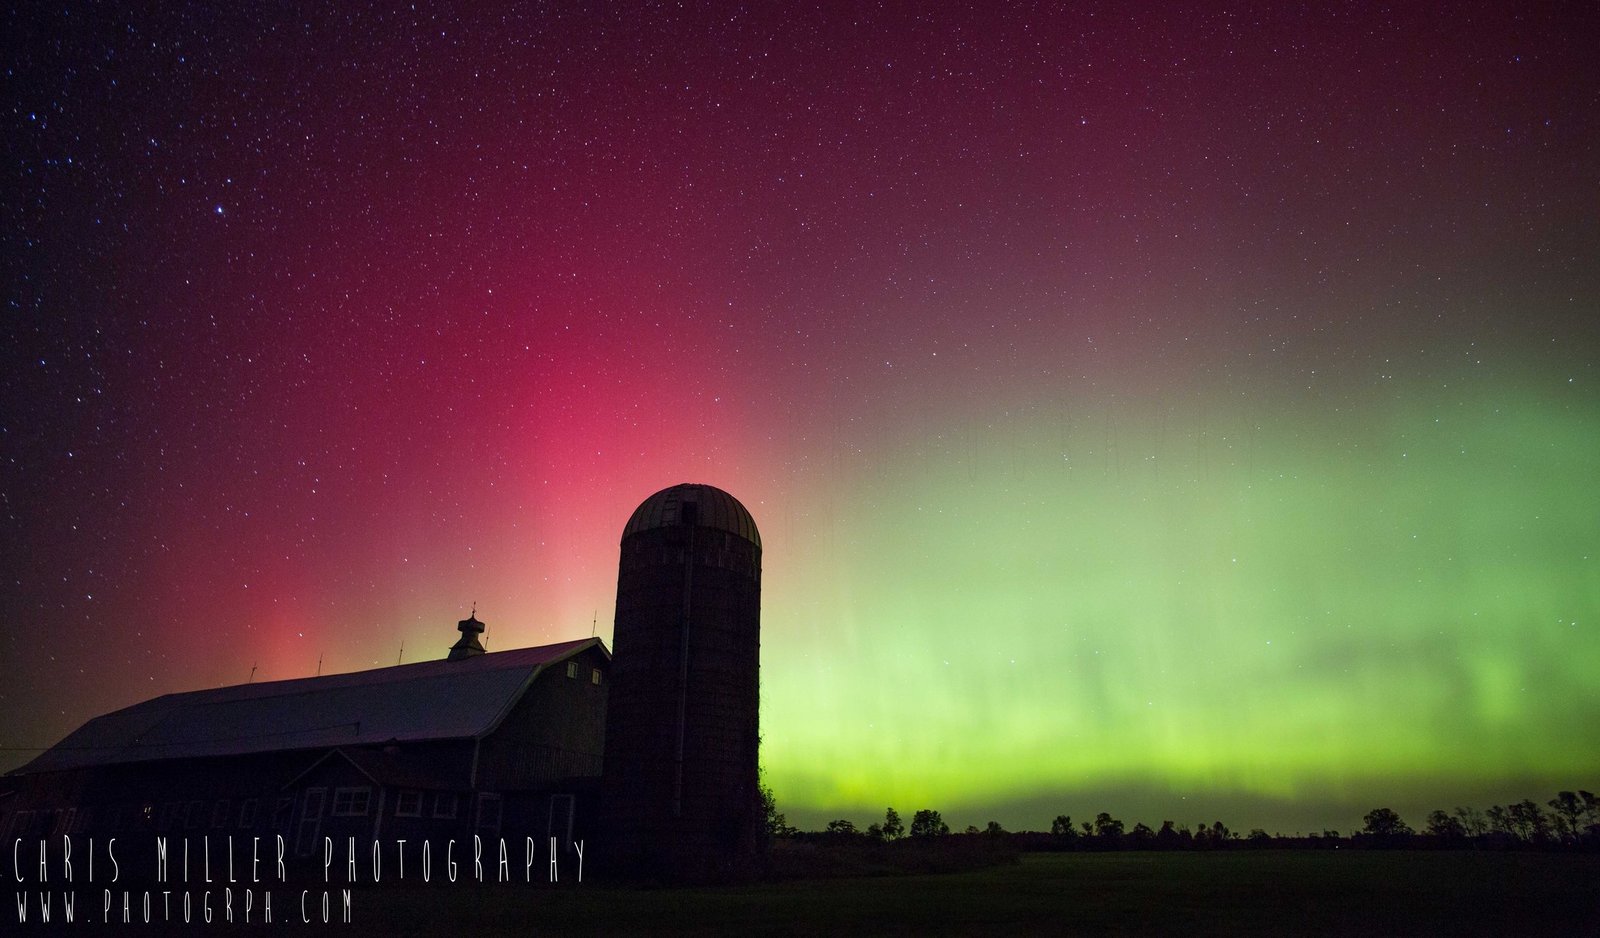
x: 1569, y: 820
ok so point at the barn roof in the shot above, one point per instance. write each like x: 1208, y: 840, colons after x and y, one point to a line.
x: 465, y: 698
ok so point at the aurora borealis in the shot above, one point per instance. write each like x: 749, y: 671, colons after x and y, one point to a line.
x: 1184, y: 413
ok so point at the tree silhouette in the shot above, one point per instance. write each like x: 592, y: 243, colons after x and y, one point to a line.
x: 1500, y: 820
x: 1446, y: 826
x: 1591, y: 813
x: 1472, y: 821
x: 1530, y: 822
x: 928, y: 823
x: 777, y: 825
x: 1568, y: 810
x: 1384, y: 824
x: 1569, y: 820
x: 843, y: 828
x: 892, y: 828
x: 1107, y: 826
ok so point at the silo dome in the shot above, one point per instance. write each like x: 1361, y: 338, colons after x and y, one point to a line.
x: 713, y: 508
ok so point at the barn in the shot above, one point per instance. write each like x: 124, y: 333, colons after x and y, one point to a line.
x: 475, y: 743
x: 659, y: 770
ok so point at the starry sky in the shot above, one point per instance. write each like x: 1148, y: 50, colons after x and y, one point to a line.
x: 1177, y: 410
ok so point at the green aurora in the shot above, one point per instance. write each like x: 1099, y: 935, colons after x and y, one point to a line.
x: 1325, y: 609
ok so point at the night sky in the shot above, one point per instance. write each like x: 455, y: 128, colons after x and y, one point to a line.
x: 1183, y: 414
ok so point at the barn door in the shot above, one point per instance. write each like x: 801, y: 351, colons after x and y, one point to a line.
x: 310, y: 821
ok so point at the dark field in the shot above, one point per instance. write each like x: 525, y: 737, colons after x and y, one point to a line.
x: 1269, y: 892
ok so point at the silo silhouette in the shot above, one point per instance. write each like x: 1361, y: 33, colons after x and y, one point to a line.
x: 679, y: 791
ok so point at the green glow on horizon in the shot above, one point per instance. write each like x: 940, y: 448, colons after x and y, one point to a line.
x: 1317, y: 605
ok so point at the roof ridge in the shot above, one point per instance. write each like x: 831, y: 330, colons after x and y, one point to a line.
x: 437, y: 699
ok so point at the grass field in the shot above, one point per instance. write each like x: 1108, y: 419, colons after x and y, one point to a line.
x: 1225, y: 893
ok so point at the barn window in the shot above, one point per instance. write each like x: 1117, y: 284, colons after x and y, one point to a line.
x: 409, y: 804
x: 563, y: 808
x: 220, y: 812
x: 444, y: 804
x: 572, y: 669
x: 594, y: 676
x: 281, y: 814
x: 311, y: 809
x: 352, y: 801
x: 195, y: 815
x: 489, y: 812
x: 247, y: 813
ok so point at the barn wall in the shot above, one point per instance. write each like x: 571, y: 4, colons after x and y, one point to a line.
x: 555, y: 732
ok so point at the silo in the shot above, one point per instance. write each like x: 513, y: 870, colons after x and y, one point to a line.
x: 680, y: 797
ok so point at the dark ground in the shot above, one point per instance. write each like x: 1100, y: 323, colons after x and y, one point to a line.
x: 1233, y: 892
x: 1276, y: 892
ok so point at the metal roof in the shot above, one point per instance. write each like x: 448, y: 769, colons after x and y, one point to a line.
x: 427, y: 700
x: 714, y: 509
